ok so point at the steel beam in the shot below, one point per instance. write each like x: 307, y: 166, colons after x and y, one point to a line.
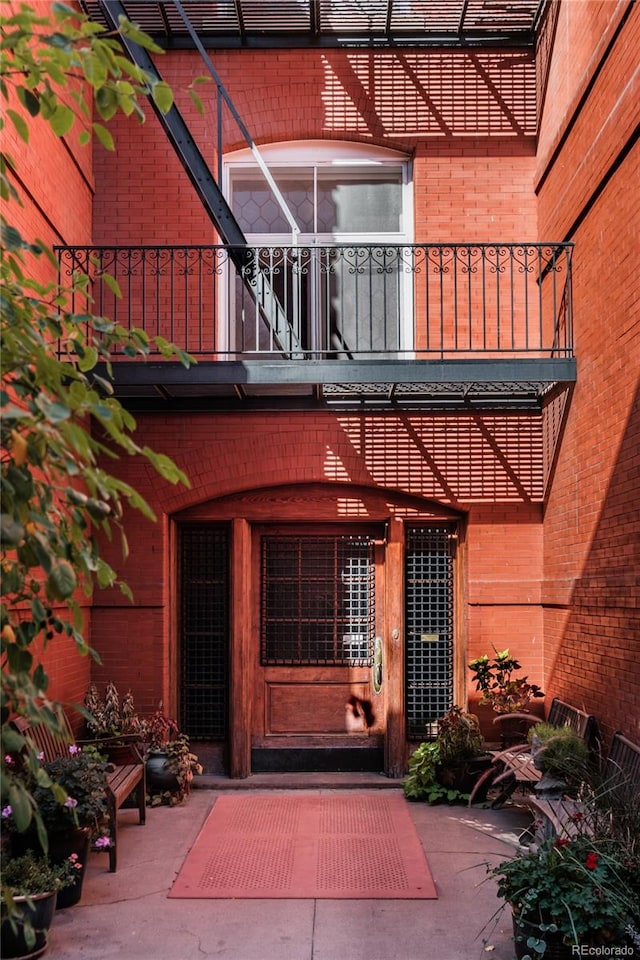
x: 300, y: 372
x: 183, y: 143
x: 208, y: 190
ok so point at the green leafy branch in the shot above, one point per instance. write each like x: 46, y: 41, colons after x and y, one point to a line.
x: 60, y: 419
x: 79, y: 55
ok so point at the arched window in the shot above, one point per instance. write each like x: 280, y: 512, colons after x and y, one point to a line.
x: 330, y: 247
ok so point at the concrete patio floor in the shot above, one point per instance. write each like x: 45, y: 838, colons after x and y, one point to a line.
x: 127, y: 914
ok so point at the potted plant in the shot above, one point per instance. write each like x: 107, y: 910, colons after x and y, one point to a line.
x: 462, y: 755
x: 31, y: 884
x: 569, y: 893
x: 110, y: 716
x: 170, y: 763
x: 178, y: 767
x: 422, y: 781
x: 73, y: 815
x: 508, y: 696
x: 447, y: 768
x: 503, y: 692
x: 157, y: 730
x: 559, y: 753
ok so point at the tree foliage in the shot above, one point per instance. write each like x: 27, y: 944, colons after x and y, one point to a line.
x: 60, y: 420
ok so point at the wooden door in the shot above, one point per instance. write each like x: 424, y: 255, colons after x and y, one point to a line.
x: 318, y: 622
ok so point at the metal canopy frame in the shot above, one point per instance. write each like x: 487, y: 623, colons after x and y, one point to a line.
x: 336, y: 23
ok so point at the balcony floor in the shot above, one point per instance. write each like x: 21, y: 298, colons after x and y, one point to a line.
x: 369, y: 383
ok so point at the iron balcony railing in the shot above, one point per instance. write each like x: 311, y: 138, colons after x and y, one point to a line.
x: 347, y: 301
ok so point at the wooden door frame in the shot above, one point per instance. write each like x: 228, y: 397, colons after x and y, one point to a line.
x: 265, y: 678
x: 395, y: 741
x: 243, y: 512
x: 240, y: 672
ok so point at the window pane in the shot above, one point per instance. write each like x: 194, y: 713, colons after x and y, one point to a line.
x: 257, y: 210
x: 361, y: 291
x: 369, y: 202
x: 318, y: 600
x: 349, y: 201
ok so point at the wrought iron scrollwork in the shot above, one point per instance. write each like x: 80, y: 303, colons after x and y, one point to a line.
x: 337, y: 300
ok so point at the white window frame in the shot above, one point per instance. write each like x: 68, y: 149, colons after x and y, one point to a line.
x: 325, y: 154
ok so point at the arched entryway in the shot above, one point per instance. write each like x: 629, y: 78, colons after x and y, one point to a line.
x: 316, y: 625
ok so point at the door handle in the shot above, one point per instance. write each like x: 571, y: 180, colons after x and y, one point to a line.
x: 377, y: 666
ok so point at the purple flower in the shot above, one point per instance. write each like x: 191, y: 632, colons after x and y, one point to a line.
x: 74, y: 750
x: 71, y: 802
x: 102, y: 842
x: 6, y: 812
x: 8, y: 759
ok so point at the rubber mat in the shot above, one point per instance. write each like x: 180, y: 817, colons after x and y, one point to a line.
x: 352, y: 846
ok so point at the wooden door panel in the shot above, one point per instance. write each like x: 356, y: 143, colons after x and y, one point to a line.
x: 303, y: 706
x: 317, y: 707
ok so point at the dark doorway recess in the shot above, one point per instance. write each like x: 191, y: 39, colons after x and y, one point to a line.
x: 318, y: 760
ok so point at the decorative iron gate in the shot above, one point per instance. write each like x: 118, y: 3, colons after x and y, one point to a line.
x: 429, y: 627
x: 204, y: 630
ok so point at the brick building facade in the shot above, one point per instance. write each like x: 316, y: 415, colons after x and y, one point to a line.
x: 525, y: 520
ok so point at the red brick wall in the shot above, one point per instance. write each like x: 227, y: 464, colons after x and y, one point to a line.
x: 54, y: 181
x: 465, y: 117
x: 486, y: 467
x: 583, y: 32
x: 588, y: 192
x: 54, y: 175
x: 68, y: 670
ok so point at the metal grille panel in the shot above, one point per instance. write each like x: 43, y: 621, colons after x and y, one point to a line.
x: 318, y: 600
x: 429, y: 627
x: 291, y: 23
x: 204, y: 593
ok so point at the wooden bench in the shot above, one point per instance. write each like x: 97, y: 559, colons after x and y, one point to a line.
x: 123, y: 779
x: 514, y: 767
x: 568, y: 818
x: 623, y: 764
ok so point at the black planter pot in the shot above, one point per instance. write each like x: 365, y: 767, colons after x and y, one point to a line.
x: 159, y: 779
x: 463, y: 775
x: 513, y: 729
x: 555, y: 949
x: 40, y: 912
x: 61, y: 847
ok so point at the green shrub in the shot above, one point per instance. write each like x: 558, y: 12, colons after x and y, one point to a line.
x: 561, y: 752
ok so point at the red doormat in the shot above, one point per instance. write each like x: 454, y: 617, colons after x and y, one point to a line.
x: 348, y: 847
